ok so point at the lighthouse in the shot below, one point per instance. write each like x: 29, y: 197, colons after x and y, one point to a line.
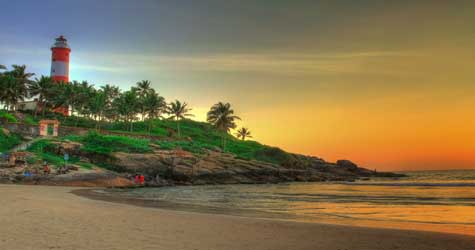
x: 60, y: 65
x: 60, y: 60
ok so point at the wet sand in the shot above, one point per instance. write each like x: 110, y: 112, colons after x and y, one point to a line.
x: 42, y: 217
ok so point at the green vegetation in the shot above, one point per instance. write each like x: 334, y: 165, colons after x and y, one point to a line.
x: 7, y: 117
x: 106, y: 144
x: 222, y: 117
x: 7, y: 142
x: 137, y: 111
x: 243, y: 133
x: 44, y: 151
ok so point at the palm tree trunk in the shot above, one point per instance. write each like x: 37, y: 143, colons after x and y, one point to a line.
x: 178, y: 127
x: 224, y: 143
x: 149, y: 125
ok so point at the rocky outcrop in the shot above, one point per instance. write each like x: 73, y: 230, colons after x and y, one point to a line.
x: 346, y: 164
x: 164, y: 167
x: 178, y: 167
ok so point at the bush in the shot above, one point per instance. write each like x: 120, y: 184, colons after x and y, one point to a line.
x: 7, y: 142
x: 45, y: 151
x: 7, y: 116
x: 106, y: 144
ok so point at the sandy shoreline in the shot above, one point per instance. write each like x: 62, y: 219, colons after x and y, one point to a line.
x: 43, y: 217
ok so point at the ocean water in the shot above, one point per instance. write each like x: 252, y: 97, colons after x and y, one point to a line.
x: 441, y: 201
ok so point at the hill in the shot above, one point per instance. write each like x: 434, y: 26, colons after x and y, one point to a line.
x: 154, y: 150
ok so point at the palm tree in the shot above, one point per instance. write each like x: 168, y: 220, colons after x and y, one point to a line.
x: 243, y: 133
x: 155, y: 105
x: 42, y: 88
x: 14, y: 86
x: 222, y: 117
x: 142, y: 88
x: 177, y: 112
x: 96, y: 106
x: 127, y: 106
x: 19, y: 72
x: 12, y: 91
x: 111, y: 93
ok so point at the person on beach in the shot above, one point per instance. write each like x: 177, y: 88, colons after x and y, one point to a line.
x: 142, y: 179
x: 46, y: 169
x: 136, y: 179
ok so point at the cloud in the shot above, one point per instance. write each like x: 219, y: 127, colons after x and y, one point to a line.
x: 285, y: 63
x: 292, y: 64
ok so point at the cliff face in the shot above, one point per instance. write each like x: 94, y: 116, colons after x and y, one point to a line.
x: 165, y: 167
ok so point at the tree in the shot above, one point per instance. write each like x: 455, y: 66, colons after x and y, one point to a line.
x: 111, y: 93
x: 154, y: 105
x: 43, y: 89
x: 19, y: 72
x: 178, y: 111
x: 96, y: 105
x: 14, y: 85
x: 2, y: 67
x: 243, y: 133
x: 222, y: 117
x: 12, y: 91
x: 142, y: 88
x: 127, y: 106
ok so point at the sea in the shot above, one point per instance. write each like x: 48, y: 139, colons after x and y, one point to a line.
x: 438, y: 201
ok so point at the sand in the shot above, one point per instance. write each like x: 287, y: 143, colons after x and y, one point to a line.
x: 42, y: 217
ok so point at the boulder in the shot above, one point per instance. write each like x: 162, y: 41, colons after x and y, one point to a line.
x: 347, y: 164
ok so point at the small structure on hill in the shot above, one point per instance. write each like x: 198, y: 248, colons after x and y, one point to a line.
x: 27, y: 105
x: 49, y: 127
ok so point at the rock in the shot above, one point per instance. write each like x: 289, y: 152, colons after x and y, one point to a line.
x: 5, y: 131
x: 69, y: 147
x: 347, y: 164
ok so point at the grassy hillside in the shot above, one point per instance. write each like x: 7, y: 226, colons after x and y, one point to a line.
x: 196, y: 137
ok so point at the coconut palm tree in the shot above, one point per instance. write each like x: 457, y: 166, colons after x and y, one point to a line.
x: 19, y: 72
x: 96, y: 105
x: 127, y: 106
x: 111, y: 93
x: 155, y: 105
x: 43, y: 89
x: 243, y: 133
x: 222, y: 117
x: 12, y: 91
x: 15, y: 85
x: 178, y: 111
x: 142, y: 88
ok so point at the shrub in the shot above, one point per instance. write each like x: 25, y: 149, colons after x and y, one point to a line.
x: 7, y: 116
x: 7, y: 142
x: 106, y: 144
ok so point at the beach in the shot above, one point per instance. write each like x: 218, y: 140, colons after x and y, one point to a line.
x: 43, y: 217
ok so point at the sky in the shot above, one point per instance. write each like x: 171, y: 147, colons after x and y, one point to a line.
x: 389, y: 85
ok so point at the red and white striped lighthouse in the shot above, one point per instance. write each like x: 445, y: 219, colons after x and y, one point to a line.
x: 60, y: 60
x: 60, y: 65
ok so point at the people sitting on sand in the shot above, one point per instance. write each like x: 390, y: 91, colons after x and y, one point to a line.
x: 46, y: 168
x: 27, y: 173
x: 142, y: 179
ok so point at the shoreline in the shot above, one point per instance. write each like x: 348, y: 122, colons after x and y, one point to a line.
x: 46, y: 217
x: 101, y: 194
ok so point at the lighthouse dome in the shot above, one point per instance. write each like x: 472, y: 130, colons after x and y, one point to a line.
x: 61, y: 42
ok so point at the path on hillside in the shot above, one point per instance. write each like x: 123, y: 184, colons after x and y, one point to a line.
x: 25, y: 145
